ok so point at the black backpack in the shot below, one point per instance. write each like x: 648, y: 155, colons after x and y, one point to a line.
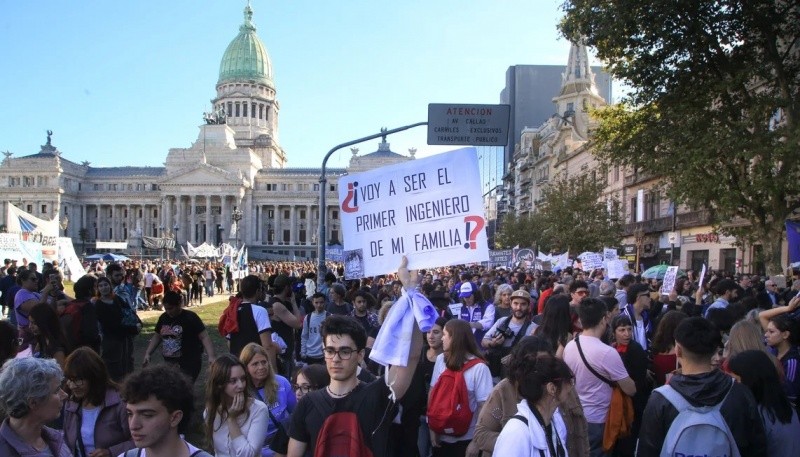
x: 248, y: 332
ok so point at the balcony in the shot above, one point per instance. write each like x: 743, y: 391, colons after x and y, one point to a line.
x: 660, y: 224
x: 664, y: 224
x: 693, y: 219
x: 637, y: 177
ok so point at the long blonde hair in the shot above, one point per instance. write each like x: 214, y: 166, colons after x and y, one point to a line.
x: 745, y: 336
x: 247, y: 355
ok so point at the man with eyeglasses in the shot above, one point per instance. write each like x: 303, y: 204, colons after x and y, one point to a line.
x: 344, y: 343
x: 637, y: 310
x: 578, y: 290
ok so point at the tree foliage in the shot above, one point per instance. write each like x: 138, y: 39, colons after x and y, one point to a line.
x: 570, y: 218
x: 713, y: 104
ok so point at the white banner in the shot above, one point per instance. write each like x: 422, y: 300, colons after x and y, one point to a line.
x: 12, y: 247
x: 591, y: 260
x: 616, y: 269
x: 32, y: 229
x: 610, y: 254
x: 68, y: 261
x: 112, y: 245
x: 428, y: 209
x: 669, y: 280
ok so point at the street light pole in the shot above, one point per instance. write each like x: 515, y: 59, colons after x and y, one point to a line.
x: 236, y: 216
x: 323, y: 181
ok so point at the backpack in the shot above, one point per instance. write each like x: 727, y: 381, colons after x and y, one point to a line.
x: 80, y: 324
x: 697, y: 430
x: 247, y: 331
x: 341, y: 434
x: 448, y: 408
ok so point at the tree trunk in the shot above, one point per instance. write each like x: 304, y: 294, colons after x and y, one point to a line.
x: 773, y: 244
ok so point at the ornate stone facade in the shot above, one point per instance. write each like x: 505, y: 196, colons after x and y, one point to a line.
x: 237, y: 164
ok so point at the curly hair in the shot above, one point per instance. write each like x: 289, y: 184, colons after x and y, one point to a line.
x: 168, y: 384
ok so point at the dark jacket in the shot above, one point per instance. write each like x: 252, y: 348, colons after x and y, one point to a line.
x: 739, y: 411
x: 111, y: 429
x: 11, y: 444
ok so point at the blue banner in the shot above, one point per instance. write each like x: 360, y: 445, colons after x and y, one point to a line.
x: 793, y: 239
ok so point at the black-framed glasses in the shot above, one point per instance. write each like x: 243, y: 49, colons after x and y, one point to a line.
x: 344, y: 353
x: 305, y: 388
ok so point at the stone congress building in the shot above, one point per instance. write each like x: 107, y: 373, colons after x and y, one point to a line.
x: 236, y: 163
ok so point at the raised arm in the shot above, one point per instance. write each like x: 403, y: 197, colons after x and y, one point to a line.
x: 765, y: 316
x: 400, y: 377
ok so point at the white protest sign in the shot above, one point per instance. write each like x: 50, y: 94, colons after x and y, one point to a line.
x: 610, y: 254
x: 669, y: 280
x: 702, y: 276
x: 617, y: 269
x: 591, y: 260
x: 427, y: 209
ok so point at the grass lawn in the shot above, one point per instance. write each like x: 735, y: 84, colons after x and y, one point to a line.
x: 209, y: 313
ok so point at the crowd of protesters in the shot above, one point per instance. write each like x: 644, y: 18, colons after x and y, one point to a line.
x: 513, y: 362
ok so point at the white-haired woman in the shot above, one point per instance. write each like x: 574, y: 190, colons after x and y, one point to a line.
x: 31, y: 396
x: 502, y: 301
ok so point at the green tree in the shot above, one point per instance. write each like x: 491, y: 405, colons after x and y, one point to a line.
x: 569, y: 218
x: 713, y: 104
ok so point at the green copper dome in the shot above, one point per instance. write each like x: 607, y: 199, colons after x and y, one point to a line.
x: 246, y: 58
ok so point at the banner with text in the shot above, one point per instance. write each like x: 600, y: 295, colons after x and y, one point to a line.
x: 500, y: 258
x: 427, y: 209
x: 68, y: 261
x: 32, y: 229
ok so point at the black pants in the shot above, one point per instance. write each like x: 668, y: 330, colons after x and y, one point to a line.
x: 457, y: 449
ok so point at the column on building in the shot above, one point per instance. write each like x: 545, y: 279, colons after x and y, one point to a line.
x: 181, y: 219
x: 191, y: 229
x: 209, y: 220
x: 250, y: 225
x: 224, y: 218
x: 293, y: 224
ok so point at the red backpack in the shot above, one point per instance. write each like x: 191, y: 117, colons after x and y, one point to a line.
x: 341, y: 436
x: 448, y: 408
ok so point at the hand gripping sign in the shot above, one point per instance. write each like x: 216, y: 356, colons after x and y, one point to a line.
x: 427, y: 209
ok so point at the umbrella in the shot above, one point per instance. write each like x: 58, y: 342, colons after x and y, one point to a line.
x: 109, y: 257
x: 658, y: 272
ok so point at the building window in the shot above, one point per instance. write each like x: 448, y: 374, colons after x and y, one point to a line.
x: 44, y: 209
x: 316, y: 187
x: 333, y: 187
x: 727, y: 260
x: 335, y: 214
x: 286, y: 214
x: 261, y: 111
x: 697, y: 259
x: 29, y: 208
x: 286, y: 236
x: 302, y: 214
x: 155, y: 212
x: 230, y: 109
x: 253, y: 110
x: 237, y: 108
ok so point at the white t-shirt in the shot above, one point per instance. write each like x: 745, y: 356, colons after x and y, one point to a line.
x: 639, y: 334
x: 595, y: 394
x: 261, y: 317
x: 479, y: 386
x: 492, y: 332
x: 192, y: 450
x: 88, y: 421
